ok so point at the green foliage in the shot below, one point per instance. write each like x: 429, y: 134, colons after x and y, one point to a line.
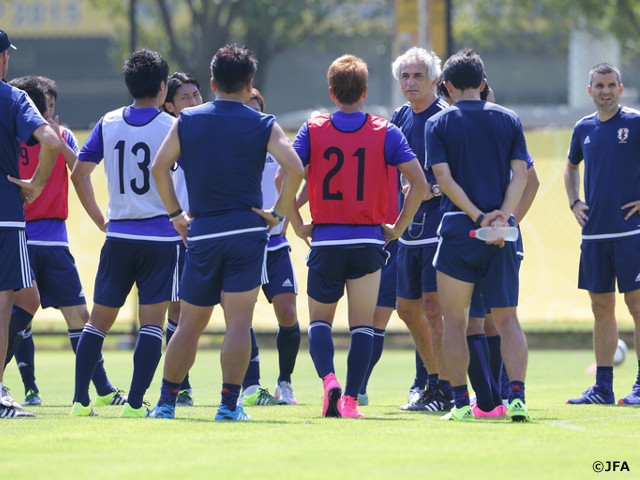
x: 512, y: 23
x: 188, y: 32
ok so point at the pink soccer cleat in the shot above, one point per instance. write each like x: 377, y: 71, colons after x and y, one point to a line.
x: 348, y: 408
x: 331, y: 398
x: 499, y: 411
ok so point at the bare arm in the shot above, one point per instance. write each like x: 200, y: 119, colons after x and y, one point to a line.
x: 572, y: 186
x: 81, y: 178
x: 303, y: 195
x: 414, y: 173
x: 67, y: 152
x: 167, y: 156
x: 530, y: 191
x: 516, y: 187
x: 302, y: 229
x: 49, y: 148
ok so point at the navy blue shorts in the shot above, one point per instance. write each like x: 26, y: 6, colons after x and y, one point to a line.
x: 152, y: 266
x: 331, y: 267
x: 282, y: 278
x: 387, y: 292
x: 15, y: 272
x: 604, y: 263
x: 55, y: 271
x: 493, y: 269
x: 416, y: 273
x: 236, y: 263
x: 476, y: 308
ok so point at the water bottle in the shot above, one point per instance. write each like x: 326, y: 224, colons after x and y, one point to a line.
x: 487, y: 234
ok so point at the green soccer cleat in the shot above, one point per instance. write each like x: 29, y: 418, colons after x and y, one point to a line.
x: 31, y: 399
x: 518, y: 411
x: 185, y: 398
x: 129, y: 412
x: 79, y: 410
x: 260, y: 397
x: 116, y: 397
x: 463, y: 414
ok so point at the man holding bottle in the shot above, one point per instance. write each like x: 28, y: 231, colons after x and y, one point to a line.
x: 480, y: 190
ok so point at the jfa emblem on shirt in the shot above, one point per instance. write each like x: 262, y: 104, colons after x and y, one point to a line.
x: 623, y: 134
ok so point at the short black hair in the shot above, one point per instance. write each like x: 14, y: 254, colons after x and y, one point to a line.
x: 34, y: 88
x: 441, y: 89
x: 176, y: 80
x: 464, y: 69
x: 144, y: 71
x: 233, y: 67
x: 51, y: 88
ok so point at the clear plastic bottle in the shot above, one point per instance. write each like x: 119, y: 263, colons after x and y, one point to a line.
x: 510, y: 234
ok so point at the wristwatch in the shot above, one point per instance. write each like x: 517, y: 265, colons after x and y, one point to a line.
x: 435, y: 190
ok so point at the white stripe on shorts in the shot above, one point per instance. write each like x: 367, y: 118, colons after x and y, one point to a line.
x: 175, y: 284
x: 25, y: 267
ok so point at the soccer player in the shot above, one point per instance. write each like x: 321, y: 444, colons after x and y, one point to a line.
x: 281, y: 291
x: 608, y: 143
x: 477, y: 193
x: 417, y: 72
x: 486, y: 371
x: 58, y: 282
x: 19, y: 121
x: 141, y: 246
x: 183, y: 91
x: 223, y: 145
x: 346, y: 155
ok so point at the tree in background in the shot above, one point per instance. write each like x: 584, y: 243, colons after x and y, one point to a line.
x: 487, y: 23
x: 188, y: 32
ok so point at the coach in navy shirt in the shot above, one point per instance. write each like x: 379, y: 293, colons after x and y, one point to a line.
x: 19, y: 121
x: 609, y: 143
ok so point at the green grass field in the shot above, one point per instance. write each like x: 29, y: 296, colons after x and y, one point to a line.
x: 292, y: 442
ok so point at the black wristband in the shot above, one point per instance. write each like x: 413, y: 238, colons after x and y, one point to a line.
x: 478, y: 221
x: 175, y: 214
x: 574, y: 203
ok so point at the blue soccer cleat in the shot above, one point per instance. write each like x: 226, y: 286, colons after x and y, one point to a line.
x: 633, y: 398
x: 225, y: 415
x: 163, y: 411
x: 594, y: 396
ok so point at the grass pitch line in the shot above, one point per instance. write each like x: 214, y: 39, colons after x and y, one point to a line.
x: 573, y: 425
